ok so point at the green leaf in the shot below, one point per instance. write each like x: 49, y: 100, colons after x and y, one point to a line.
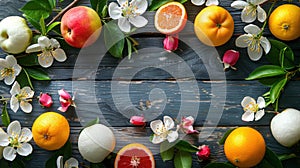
x: 43, y: 26
x: 37, y: 73
x: 52, y: 3
x: 286, y: 156
x: 276, y: 89
x: 266, y: 71
x: 223, y: 139
x: 219, y: 165
x: 99, y: 6
x: 182, y: 159
x: 90, y: 123
x: 114, y: 39
x: 270, y: 160
x: 24, y: 79
x: 4, y: 163
x: 186, y: 146
x: 65, y: 151
x: 271, y: 80
x: 4, y: 116
x: 28, y: 60
x: 35, y: 9
x: 18, y: 163
x: 166, y: 151
x: 274, y: 54
x: 129, y: 48
x: 182, y: 1
x: 52, y: 26
x: 35, y: 23
x: 281, y: 56
x: 104, y: 12
x: 157, y: 3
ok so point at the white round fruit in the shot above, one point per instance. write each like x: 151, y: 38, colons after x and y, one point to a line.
x: 96, y: 142
x: 15, y: 35
x: 285, y: 127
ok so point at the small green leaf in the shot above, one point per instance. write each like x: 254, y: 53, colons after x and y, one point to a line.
x: 186, y: 146
x: 24, y: 79
x: 52, y: 3
x: 281, y: 56
x: 4, y: 116
x: 52, y: 26
x: 90, y: 123
x: 276, y: 89
x: 271, y: 80
x: 35, y: 9
x: 270, y: 160
x: 37, y: 73
x: 18, y: 163
x: 157, y: 3
x: 34, y: 22
x: 43, y: 26
x: 104, y: 12
x: 28, y: 60
x: 114, y: 39
x: 286, y: 156
x: 166, y: 151
x: 223, y: 139
x: 266, y: 71
x: 183, y: 159
x: 99, y: 6
x: 219, y: 165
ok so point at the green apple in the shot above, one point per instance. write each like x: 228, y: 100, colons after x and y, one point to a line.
x: 15, y: 35
x: 80, y: 26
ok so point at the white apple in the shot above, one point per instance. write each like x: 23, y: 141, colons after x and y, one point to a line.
x: 15, y: 35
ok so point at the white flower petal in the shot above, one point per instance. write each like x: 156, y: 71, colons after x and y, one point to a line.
x: 59, y: 55
x: 248, y: 14
x: 45, y: 59
x: 259, y: 114
x: 261, y: 102
x: 121, y: 2
x: 25, y: 149
x: 141, y: 6
x: 156, y: 125
x: 9, y: 80
x: 11, y: 60
x: 239, y: 4
x: 9, y: 153
x: 15, y: 89
x: 4, y: 139
x: 26, y: 135
x: 261, y: 14
x: 34, y: 48
x: 71, y: 163
x: 44, y: 42
x: 17, y: 69
x: 28, y: 91
x: 212, y: 2
x: 124, y: 24
x: 157, y: 139
x: 14, y: 128
x: 252, y: 29
x: 26, y: 107
x: 3, y: 63
x: 257, y: 2
x: 248, y: 116
x: 168, y: 122
x: 172, y: 136
x: 198, y: 2
x: 265, y: 43
x: 138, y: 21
x: 247, y: 100
x: 54, y: 43
x: 14, y: 104
x: 59, y: 162
x: 243, y: 40
x: 114, y: 11
x: 255, y: 55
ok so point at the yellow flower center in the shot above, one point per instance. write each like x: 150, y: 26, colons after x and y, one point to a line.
x: 7, y: 72
x: 252, y: 106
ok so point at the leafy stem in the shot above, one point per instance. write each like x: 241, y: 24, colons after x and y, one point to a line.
x: 265, y: 22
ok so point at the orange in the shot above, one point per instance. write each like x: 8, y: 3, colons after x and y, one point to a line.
x: 214, y: 26
x: 170, y: 18
x: 245, y: 147
x: 50, y: 131
x: 135, y: 155
x: 284, y: 22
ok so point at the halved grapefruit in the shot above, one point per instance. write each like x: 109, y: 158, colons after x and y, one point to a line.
x: 134, y: 155
x: 170, y: 18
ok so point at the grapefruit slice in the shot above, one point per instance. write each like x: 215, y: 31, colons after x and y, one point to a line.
x: 170, y: 18
x: 134, y: 155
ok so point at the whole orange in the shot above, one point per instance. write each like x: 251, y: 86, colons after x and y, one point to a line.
x: 50, y: 131
x: 214, y: 25
x: 284, y: 22
x: 245, y: 147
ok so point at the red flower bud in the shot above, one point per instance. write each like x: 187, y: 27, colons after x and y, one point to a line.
x: 45, y: 100
x: 203, y: 153
x: 138, y: 120
x: 171, y: 43
x: 230, y: 58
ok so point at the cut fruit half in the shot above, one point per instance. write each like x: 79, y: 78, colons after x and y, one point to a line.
x: 170, y: 18
x: 134, y: 155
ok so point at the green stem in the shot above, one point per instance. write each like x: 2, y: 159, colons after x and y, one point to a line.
x: 276, y: 104
x: 265, y: 22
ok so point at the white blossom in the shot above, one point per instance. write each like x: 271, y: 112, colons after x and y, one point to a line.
x: 251, y: 10
x: 163, y: 130
x: 9, y: 69
x: 70, y: 163
x: 208, y: 2
x: 21, y: 98
x: 253, y: 110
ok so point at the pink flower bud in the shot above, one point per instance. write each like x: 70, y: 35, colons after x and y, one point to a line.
x: 65, y: 100
x: 171, y: 43
x: 230, y: 58
x: 138, y: 120
x: 45, y: 100
x: 187, y: 125
x: 203, y: 153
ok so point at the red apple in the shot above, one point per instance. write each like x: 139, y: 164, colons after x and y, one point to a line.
x: 80, y: 26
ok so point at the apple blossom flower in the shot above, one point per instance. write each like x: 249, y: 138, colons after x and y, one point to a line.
x: 171, y: 43
x: 163, y: 130
x: 65, y: 100
x: 128, y: 12
x: 70, y: 163
x: 138, y: 120
x: 15, y: 141
x: 254, y: 42
x: 45, y: 100
x: 187, y: 125
x: 253, y: 109
x: 208, y: 2
x: 203, y: 153
x: 21, y: 98
x: 9, y: 69
x: 230, y: 58
x: 50, y: 49
x: 251, y: 10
